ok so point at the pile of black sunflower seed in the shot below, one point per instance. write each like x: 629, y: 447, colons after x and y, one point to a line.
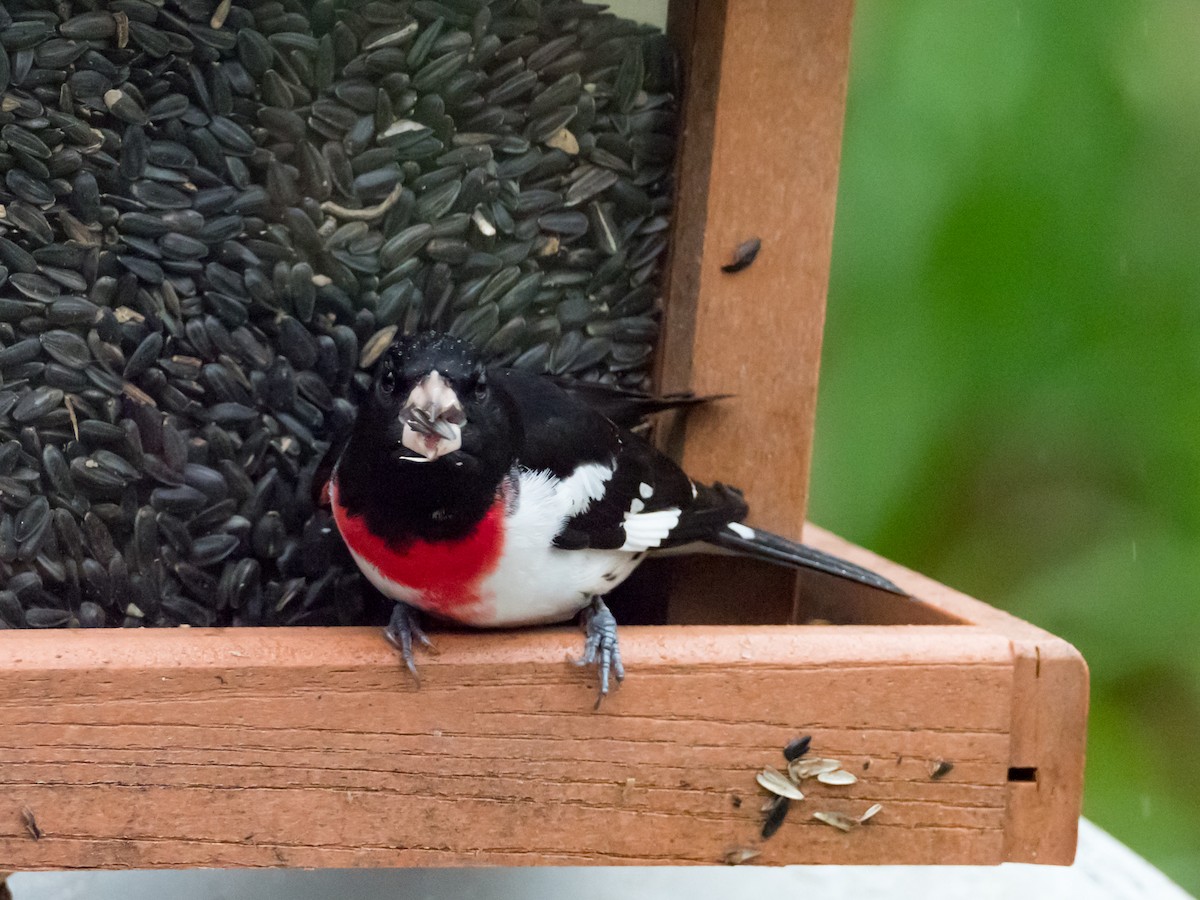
x: 214, y: 217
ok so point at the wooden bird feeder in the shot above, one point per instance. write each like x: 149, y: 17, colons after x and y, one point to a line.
x: 311, y: 746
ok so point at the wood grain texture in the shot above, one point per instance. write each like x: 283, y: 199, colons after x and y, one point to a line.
x: 309, y: 747
x: 1049, y: 712
x: 764, y: 97
x: 762, y: 125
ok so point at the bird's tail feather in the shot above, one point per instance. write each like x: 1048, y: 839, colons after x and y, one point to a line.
x: 754, y: 542
x: 626, y: 407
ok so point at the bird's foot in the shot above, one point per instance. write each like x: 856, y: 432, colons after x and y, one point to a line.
x: 600, y: 647
x: 401, y: 631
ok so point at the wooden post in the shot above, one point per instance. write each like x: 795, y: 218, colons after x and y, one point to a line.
x: 762, y: 124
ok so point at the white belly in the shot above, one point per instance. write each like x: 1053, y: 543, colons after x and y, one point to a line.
x: 536, y: 582
x: 550, y: 585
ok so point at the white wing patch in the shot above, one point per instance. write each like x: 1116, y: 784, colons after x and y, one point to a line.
x: 584, y: 486
x: 741, y: 530
x: 645, y: 490
x: 649, y: 529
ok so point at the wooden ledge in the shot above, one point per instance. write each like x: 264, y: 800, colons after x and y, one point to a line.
x: 311, y: 747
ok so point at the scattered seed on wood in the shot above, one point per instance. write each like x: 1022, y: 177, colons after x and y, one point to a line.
x: 810, y: 767
x: 627, y: 790
x: 838, y: 820
x: 837, y: 777
x: 777, y: 783
x: 843, y: 822
x: 797, y: 747
x: 775, y: 815
x: 735, y: 856
x: 31, y: 823
x: 743, y: 256
x: 940, y: 769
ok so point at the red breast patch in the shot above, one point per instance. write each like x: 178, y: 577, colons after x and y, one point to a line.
x: 446, y: 573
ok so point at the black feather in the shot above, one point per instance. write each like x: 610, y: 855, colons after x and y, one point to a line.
x: 629, y: 408
x: 772, y: 547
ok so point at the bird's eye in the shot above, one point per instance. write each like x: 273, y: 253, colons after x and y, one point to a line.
x: 387, y: 381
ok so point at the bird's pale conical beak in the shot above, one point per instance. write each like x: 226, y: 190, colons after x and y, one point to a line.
x: 433, y: 419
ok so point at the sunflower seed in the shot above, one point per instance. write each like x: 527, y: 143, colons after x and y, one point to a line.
x: 99, y: 538
x: 213, y: 548
x: 743, y: 256
x: 11, y: 612
x: 838, y: 820
x: 568, y: 223
x: 593, y: 180
x: 374, y: 348
x: 36, y: 404
x: 837, y: 776
x: 41, y: 617
x: 777, y: 783
x: 940, y: 769
x: 177, y: 500
x: 810, y: 767
x: 92, y: 615
x: 124, y: 107
x: 32, y: 520
x: 776, y: 811
x: 21, y: 139
x: 28, y: 188
x: 870, y: 813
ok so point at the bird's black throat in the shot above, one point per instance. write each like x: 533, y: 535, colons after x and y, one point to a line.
x: 441, y: 500
x: 403, y: 501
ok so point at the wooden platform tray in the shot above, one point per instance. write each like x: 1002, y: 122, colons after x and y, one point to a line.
x: 312, y: 747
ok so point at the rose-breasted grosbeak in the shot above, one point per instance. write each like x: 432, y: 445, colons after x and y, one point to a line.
x: 493, y: 497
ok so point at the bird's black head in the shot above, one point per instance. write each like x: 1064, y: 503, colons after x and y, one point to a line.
x: 423, y: 388
x: 433, y: 430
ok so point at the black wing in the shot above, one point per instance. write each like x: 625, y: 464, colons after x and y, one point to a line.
x: 648, y: 503
x: 561, y: 433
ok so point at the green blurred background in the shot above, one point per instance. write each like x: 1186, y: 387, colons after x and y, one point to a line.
x: 1010, y: 388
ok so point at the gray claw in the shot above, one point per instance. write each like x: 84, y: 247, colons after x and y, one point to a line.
x: 600, y: 647
x: 400, y: 632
